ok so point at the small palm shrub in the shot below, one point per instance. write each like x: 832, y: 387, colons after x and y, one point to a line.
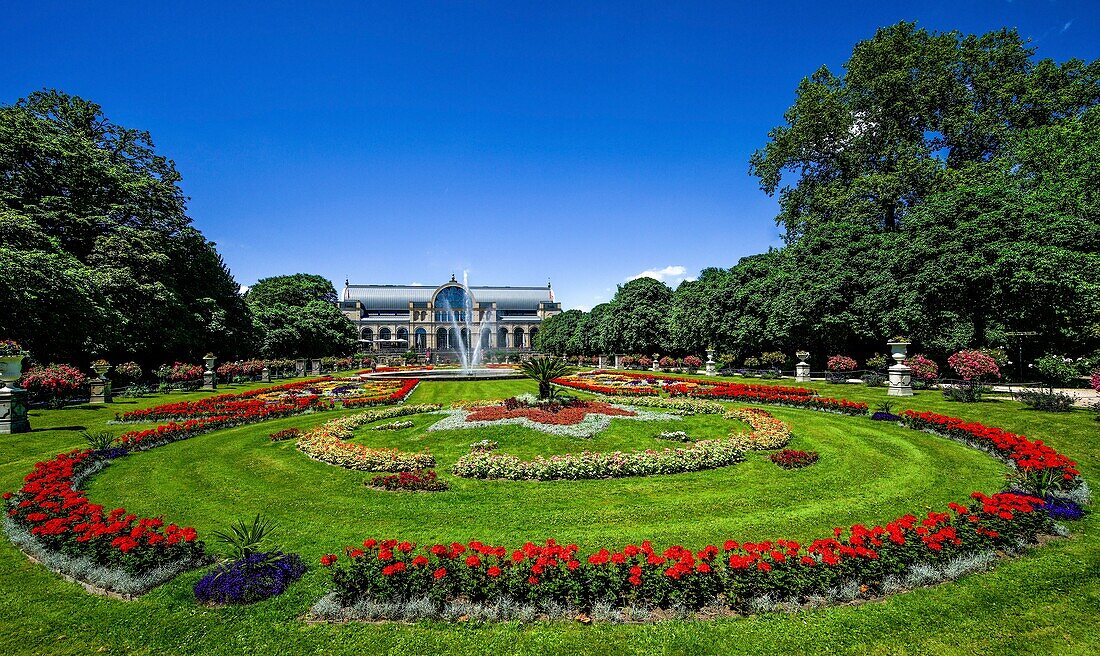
x: 543, y: 371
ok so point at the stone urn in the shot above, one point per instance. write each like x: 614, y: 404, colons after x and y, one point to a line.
x: 209, y: 377
x: 11, y: 367
x: 802, y: 369
x: 656, y: 362
x: 100, y: 386
x: 101, y: 367
x: 712, y: 369
x: 900, y: 373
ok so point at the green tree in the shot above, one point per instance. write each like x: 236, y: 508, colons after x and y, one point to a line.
x: 101, y: 214
x: 637, y: 319
x: 296, y: 316
x: 557, y: 332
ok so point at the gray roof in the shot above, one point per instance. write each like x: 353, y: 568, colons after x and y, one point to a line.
x: 397, y: 297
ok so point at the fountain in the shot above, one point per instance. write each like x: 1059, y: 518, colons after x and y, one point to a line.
x: 469, y: 353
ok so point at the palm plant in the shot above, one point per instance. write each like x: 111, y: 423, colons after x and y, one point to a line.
x: 244, y: 539
x: 544, y: 370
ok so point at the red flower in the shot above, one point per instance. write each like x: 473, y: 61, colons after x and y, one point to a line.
x: 493, y: 571
x: 439, y: 573
x: 328, y: 559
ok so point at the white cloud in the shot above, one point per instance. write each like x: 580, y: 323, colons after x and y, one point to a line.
x: 1066, y: 26
x: 671, y: 275
x: 416, y: 284
x: 244, y: 289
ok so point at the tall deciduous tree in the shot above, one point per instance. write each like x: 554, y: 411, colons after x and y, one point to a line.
x: 296, y: 316
x: 637, y: 319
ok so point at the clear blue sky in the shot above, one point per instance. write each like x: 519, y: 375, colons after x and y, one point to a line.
x: 397, y: 143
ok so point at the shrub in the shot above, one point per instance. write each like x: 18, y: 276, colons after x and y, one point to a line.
x: 54, y: 384
x: 876, y: 362
x: 128, y: 371
x: 966, y: 392
x: 251, y: 578
x: 1046, y: 399
x: 773, y: 359
x: 1095, y: 381
x: 791, y: 459
x: 693, y: 362
x: 840, y: 363
x: 543, y: 371
x: 1055, y: 370
x: 752, y: 362
x: 873, y: 379
x: 667, y: 362
x: 974, y: 366
x: 410, y: 481
x: 645, y: 362
x: 245, y: 538
x: 924, y: 369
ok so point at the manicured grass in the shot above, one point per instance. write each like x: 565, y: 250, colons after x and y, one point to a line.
x: 1044, y: 602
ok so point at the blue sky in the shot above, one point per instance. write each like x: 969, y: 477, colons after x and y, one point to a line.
x: 398, y: 143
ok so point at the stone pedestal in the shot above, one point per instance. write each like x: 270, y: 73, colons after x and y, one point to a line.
x: 656, y: 359
x: 315, y: 367
x: 209, y: 380
x: 100, y: 390
x: 712, y: 366
x: 300, y: 368
x: 265, y: 375
x: 802, y: 369
x: 900, y: 374
x: 616, y: 364
x: 13, y: 410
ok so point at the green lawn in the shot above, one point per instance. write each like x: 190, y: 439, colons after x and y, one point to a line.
x: 1047, y: 601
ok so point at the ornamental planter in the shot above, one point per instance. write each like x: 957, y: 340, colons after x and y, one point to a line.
x: 100, y: 386
x: 209, y: 377
x: 900, y: 374
x: 13, y: 400
x: 712, y: 366
x: 315, y: 367
x: 802, y: 369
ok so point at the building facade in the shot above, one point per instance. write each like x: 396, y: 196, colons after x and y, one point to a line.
x: 420, y: 318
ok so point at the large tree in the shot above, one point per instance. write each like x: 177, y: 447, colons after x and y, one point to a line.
x: 296, y: 316
x: 637, y: 319
x: 95, y: 218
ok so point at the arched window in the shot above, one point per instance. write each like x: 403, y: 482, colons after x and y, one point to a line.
x: 502, y: 338
x: 465, y: 338
x: 452, y: 300
x: 384, y: 334
x: 517, y: 338
x: 368, y: 338
x: 421, y: 339
x: 484, y: 340
x: 534, y: 332
x: 452, y: 339
x: 403, y: 335
x: 441, y: 338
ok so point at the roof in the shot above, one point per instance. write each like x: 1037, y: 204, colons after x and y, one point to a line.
x: 397, y: 297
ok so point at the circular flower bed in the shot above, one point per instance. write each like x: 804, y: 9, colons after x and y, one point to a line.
x: 328, y: 443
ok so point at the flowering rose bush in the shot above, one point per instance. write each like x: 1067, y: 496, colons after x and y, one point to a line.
x: 974, y: 366
x: 841, y: 364
x: 792, y: 459
x: 666, y: 362
x: 410, y: 481
x: 873, y: 558
x: 692, y: 362
x: 645, y: 362
x: 128, y: 371
x: 180, y: 372
x: 54, y: 384
x: 1095, y: 381
x: 60, y: 519
x: 327, y: 443
x: 924, y: 369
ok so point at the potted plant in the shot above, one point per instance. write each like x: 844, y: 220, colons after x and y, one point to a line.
x: 11, y: 361
x: 101, y: 367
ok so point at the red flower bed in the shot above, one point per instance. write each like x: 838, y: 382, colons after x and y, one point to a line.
x: 1042, y: 466
x: 763, y: 394
x: 411, y: 481
x: 218, y: 405
x: 62, y: 519
x: 606, y: 389
x: 565, y: 416
x: 736, y: 572
x: 792, y: 459
x: 406, y: 388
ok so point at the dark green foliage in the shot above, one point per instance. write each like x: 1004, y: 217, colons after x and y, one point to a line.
x: 295, y: 316
x: 636, y: 320
x: 98, y: 253
x: 543, y: 370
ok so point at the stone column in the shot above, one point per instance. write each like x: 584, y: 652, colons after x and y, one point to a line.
x: 802, y: 369
x: 209, y: 377
x: 315, y: 367
x: 13, y: 410
x: 900, y: 373
x: 300, y: 368
x: 603, y: 362
x: 712, y: 369
x: 265, y: 375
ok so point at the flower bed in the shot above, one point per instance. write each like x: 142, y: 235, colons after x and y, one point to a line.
x: 327, y: 443
x: 114, y: 550
x: 409, y: 481
x: 1042, y: 467
x: 870, y: 561
x: 582, y: 419
x: 792, y: 459
x: 285, y: 434
x: 705, y: 454
x: 253, y: 578
x: 554, y: 414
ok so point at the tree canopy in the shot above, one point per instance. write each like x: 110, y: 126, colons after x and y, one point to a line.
x: 296, y: 315
x: 99, y: 255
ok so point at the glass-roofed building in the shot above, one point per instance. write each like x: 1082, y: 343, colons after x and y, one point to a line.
x: 400, y: 317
